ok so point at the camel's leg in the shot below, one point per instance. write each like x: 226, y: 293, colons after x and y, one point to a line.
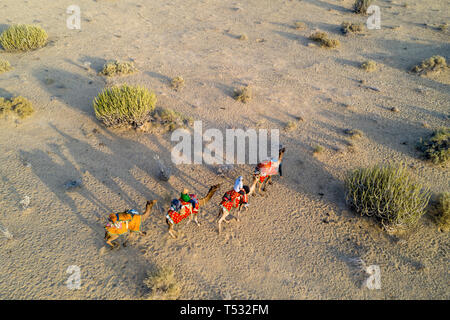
x: 172, y: 232
x: 267, y: 181
x: 196, y: 219
x: 222, y: 214
x: 110, y: 239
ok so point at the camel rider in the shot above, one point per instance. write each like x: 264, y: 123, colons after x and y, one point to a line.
x: 183, y: 207
x: 236, y: 196
x: 268, y: 168
x: 187, y: 198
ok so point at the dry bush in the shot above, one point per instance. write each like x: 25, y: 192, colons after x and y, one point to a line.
x: 243, y: 94
x: 19, y: 106
x: 117, y: 68
x: 4, y: 66
x: 22, y: 37
x: 443, y: 207
x: 388, y: 193
x: 299, y: 25
x: 348, y: 27
x: 124, y: 105
x: 177, y: 83
x: 162, y: 285
x: 361, y: 6
x: 430, y: 66
x: 324, y: 41
x: 243, y: 37
x: 354, y: 133
x: 436, y: 147
x: 369, y: 66
x: 170, y: 119
x: 318, y: 149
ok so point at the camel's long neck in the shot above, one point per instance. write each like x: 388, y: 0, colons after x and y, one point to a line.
x: 208, y: 196
x: 148, y: 209
x: 280, y: 157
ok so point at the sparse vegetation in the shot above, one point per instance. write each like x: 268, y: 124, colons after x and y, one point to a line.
x: 117, y: 68
x: 243, y: 37
x: 162, y: 285
x: 171, y: 119
x: 19, y: 106
x: 348, y: 27
x: 388, y: 193
x: 22, y: 37
x: 4, y: 66
x: 430, y: 66
x: 369, y: 66
x: 291, y: 125
x: 299, y: 25
x: 443, y: 27
x: 124, y: 105
x: 324, y: 41
x: 443, y: 207
x: 243, y: 94
x: 436, y: 147
x: 177, y: 83
x: 361, y: 6
x: 353, y: 133
x: 317, y: 149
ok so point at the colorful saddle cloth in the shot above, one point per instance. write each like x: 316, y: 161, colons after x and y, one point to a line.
x: 180, y: 209
x: 232, y: 199
x: 265, y: 169
x: 124, y: 222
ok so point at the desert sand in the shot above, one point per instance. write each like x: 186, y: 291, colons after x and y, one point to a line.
x: 297, y: 242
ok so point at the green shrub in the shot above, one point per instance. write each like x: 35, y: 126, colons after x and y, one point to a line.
x: 124, y: 105
x: 388, y: 193
x: 361, y: 6
x: 430, y: 66
x: 116, y: 68
x: 162, y: 285
x: 20, y: 106
x: 23, y: 37
x: 436, y: 147
x: 324, y: 41
x: 4, y: 66
x: 444, y: 212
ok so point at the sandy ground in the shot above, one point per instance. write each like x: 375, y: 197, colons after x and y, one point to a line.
x: 298, y: 241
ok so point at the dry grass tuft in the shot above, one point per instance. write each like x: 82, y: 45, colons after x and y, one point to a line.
x: 348, y: 27
x: 324, y: 41
x: 170, y: 119
x: 4, y: 66
x: 433, y: 65
x: 369, y: 66
x: 318, y: 150
x: 19, y: 106
x: 354, y: 133
x: 117, y: 68
x: 177, y: 83
x: 443, y: 207
x: 436, y: 147
x: 300, y: 25
x: 243, y: 37
x: 243, y: 94
x: 162, y: 285
x: 22, y: 37
x: 361, y: 6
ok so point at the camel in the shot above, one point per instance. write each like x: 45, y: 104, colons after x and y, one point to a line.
x: 265, y: 170
x: 236, y: 199
x: 128, y: 222
x: 180, y: 210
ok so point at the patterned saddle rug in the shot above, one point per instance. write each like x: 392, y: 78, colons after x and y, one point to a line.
x: 265, y: 169
x: 180, y: 210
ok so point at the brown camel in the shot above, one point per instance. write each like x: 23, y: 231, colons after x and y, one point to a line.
x: 180, y: 209
x: 265, y: 178
x: 126, y: 223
